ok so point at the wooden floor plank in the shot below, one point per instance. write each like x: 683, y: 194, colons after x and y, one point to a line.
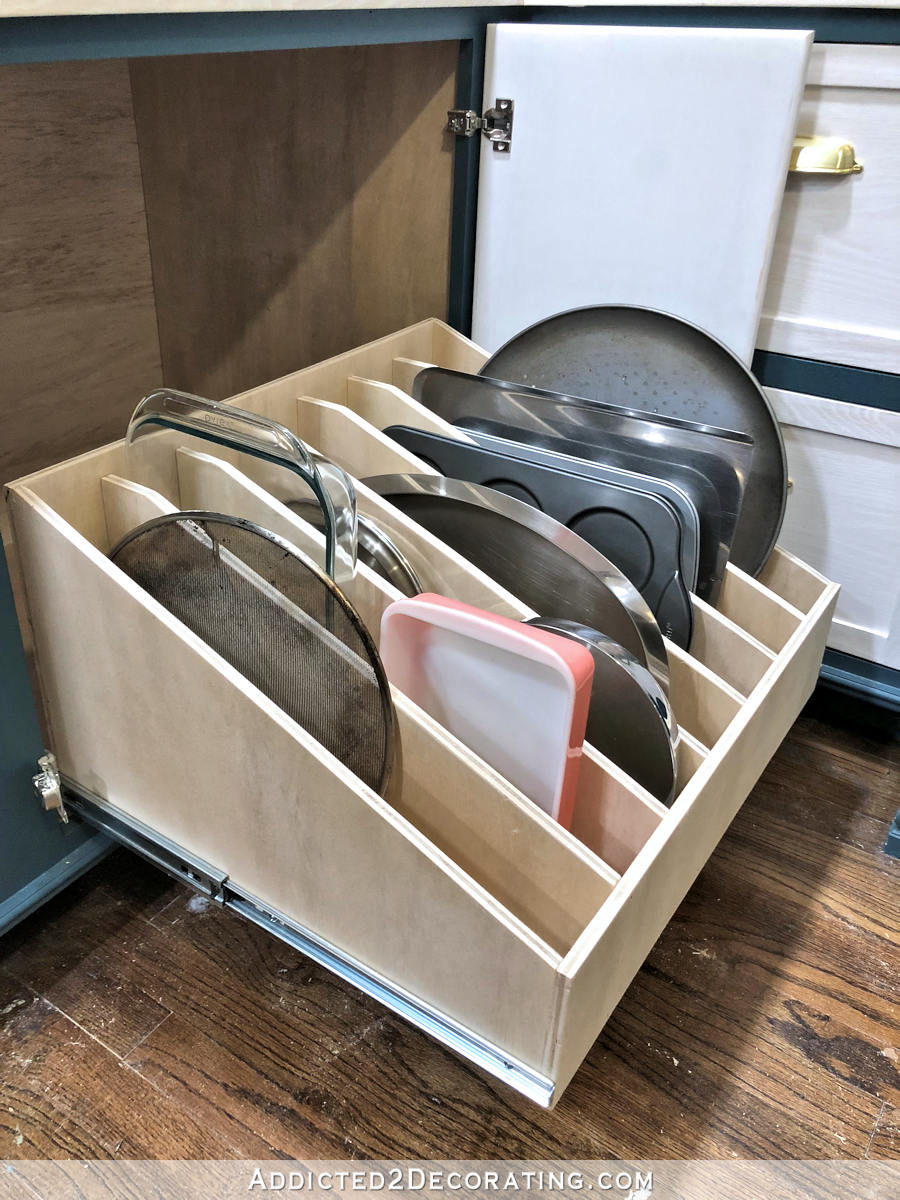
x: 64, y: 1095
x: 764, y: 1023
x: 75, y: 955
x: 245, y: 1107
x: 886, y: 1137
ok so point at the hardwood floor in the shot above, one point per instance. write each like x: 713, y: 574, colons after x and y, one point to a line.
x: 139, y: 1021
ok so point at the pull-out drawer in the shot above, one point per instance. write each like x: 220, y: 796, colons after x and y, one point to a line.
x: 462, y: 906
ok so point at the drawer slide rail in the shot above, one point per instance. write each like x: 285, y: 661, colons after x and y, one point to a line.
x: 215, y: 884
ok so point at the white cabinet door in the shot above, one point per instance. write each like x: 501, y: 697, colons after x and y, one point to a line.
x: 841, y: 518
x: 833, y: 290
x: 647, y: 166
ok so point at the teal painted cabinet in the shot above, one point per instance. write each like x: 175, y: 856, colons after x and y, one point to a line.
x: 38, y: 854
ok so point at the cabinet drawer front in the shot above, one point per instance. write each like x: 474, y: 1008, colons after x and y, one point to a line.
x: 832, y: 290
x: 844, y: 462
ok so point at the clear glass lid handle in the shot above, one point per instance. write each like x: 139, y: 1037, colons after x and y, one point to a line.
x: 268, y: 440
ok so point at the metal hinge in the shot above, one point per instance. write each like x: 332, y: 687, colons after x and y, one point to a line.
x: 47, y: 784
x: 496, y: 124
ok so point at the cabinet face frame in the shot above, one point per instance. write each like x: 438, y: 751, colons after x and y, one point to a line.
x: 831, y: 292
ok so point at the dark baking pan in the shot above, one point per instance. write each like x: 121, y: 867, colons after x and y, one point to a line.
x: 638, y: 531
x: 561, y: 454
x: 635, y: 357
x: 690, y: 494
x: 534, y: 557
x: 710, y: 465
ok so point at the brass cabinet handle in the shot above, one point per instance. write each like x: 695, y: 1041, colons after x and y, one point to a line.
x: 823, y: 156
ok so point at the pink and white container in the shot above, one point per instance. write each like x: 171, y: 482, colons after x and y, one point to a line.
x: 516, y: 695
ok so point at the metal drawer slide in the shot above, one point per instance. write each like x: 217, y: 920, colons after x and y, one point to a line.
x: 215, y: 884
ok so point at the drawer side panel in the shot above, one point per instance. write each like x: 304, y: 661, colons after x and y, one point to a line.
x: 145, y: 717
x: 609, y: 955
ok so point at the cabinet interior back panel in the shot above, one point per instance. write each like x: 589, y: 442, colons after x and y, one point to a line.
x: 298, y: 203
x: 77, y: 321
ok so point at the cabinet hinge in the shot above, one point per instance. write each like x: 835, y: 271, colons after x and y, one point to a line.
x: 496, y: 124
x: 48, y: 786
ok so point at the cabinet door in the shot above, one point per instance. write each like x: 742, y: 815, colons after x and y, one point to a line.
x: 833, y: 291
x: 842, y: 514
x: 647, y: 166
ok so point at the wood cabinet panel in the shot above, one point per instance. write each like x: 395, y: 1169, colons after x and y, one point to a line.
x: 298, y: 203
x: 841, y: 516
x: 77, y: 322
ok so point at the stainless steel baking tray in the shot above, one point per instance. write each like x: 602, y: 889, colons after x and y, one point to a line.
x: 709, y: 464
x: 637, y: 530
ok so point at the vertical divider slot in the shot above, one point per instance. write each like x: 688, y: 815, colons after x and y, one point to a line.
x: 690, y: 755
x: 405, y: 371
x: 703, y: 704
x: 729, y: 652
x: 383, y: 404
x: 757, y: 611
x: 342, y: 435
x: 510, y: 847
x: 792, y: 580
x: 614, y: 815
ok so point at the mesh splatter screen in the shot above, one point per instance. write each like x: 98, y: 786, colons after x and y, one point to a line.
x: 275, y: 617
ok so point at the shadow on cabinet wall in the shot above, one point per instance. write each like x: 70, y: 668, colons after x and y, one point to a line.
x: 297, y: 202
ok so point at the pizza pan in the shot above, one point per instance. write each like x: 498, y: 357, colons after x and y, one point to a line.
x: 629, y: 718
x: 634, y: 357
x: 539, y: 560
x: 637, y: 530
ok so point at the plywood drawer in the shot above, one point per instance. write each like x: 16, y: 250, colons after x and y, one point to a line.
x: 462, y: 906
x: 832, y: 291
